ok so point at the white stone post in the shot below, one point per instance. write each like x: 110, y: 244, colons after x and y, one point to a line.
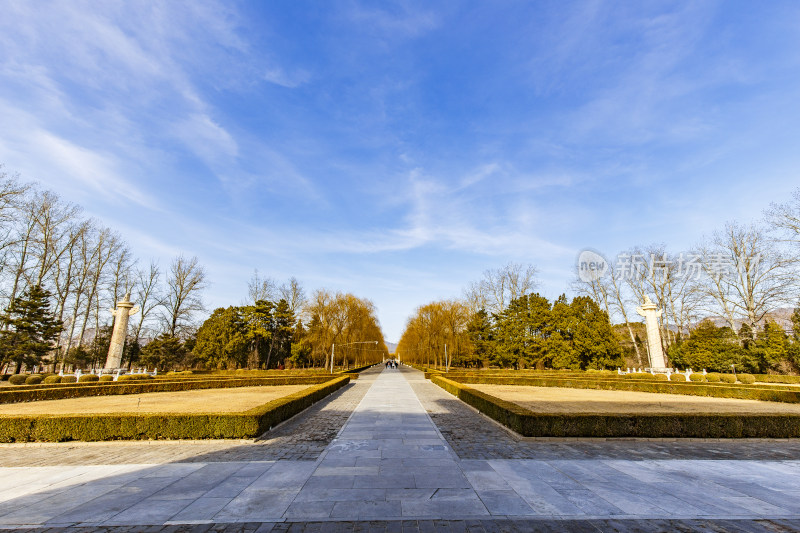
x: 651, y: 313
x: 124, y: 309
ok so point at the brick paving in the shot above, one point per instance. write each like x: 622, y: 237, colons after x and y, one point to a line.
x: 301, y: 438
x: 474, y: 436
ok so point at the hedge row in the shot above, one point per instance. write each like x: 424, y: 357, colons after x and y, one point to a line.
x: 704, y: 425
x: 122, y: 426
x: 775, y: 378
x: 59, y: 392
x: 70, y: 381
x: 712, y: 377
x: 715, y: 390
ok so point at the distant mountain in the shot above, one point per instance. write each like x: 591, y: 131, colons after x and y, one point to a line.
x: 391, y: 346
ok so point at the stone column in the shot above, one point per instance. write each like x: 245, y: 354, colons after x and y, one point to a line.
x: 651, y: 313
x: 124, y: 309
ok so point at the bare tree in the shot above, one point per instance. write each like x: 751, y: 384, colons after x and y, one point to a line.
x: 259, y: 288
x: 183, y: 298
x: 747, y: 276
x: 499, y: 286
x: 107, y: 244
x: 292, y: 291
x: 147, y: 295
x: 12, y: 195
x: 786, y: 217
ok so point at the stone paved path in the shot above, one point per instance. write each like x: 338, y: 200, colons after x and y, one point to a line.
x: 390, y: 468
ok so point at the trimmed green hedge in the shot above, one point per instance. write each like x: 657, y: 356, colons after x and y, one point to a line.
x: 143, y: 426
x: 81, y: 390
x: 530, y: 424
x: 716, y: 390
x: 777, y: 378
x: 18, y: 379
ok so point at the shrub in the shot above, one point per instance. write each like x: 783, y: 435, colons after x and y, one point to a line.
x: 88, y: 378
x: 677, y: 377
x: 52, y: 379
x: 697, y: 377
x: 18, y: 379
x: 641, y: 375
x: 727, y: 378
x: 106, y: 377
x: 713, y: 377
x: 134, y: 377
x: 33, y: 379
x: 68, y: 379
x: 747, y: 379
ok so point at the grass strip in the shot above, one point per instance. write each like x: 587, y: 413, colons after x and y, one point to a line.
x: 703, y: 425
x: 144, y: 426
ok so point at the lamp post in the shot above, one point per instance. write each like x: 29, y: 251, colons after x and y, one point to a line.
x: 333, y: 348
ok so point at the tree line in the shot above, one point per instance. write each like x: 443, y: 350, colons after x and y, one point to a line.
x: 269, y: 331
x: 733, y: 294
x: 501, y: 322
x: 61, y: 273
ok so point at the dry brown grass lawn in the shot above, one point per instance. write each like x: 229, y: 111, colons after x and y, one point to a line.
x: 561, y: 400
x: 193, y: 401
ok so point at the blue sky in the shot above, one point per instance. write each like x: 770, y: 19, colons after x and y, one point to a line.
x: 396, y: 150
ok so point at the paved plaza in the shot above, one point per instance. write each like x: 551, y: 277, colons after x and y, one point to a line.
x: 392, y: 452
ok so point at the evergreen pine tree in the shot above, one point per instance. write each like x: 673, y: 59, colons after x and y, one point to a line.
x: 30, y: 329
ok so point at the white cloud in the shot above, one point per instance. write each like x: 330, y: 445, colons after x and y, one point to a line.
x: 290, y: 80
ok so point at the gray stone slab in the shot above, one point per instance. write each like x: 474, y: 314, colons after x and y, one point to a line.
x: 285, y: 475
x: 359, y: 510
x: 486, y: 480
x: 504, y: 502
x: 403, y: 481
x: 325, y: 470
x: 444, y: 508
x: 201, y: 509
x: 230, y: 487
x: 149, y: 511
x: 589, y: 503
x: 334, y: 495
x: 309, y: 510
x: 55, y: 504
x: 452, y: 480
x: 257, y: 505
